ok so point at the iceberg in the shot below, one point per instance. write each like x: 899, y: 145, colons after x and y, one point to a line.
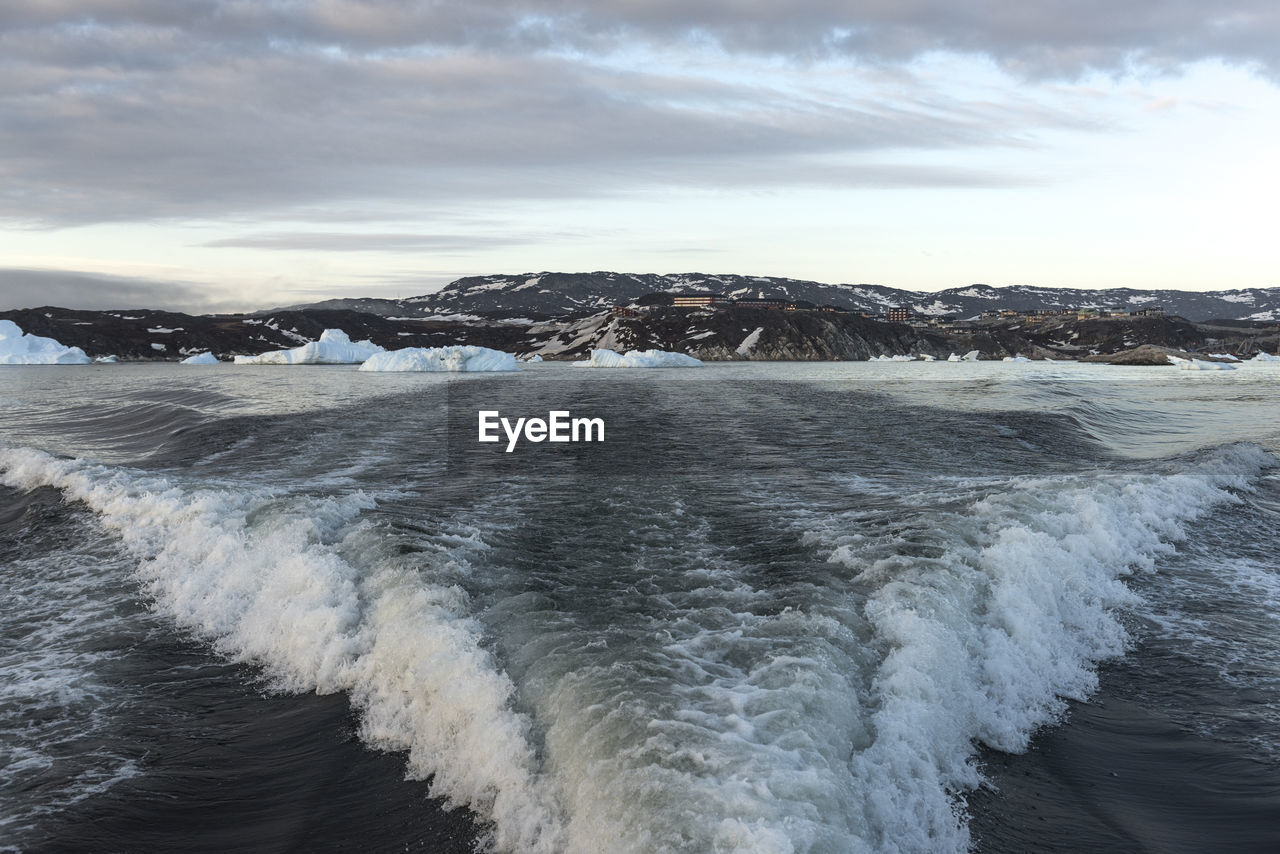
x: 971, y: 356
x: 925, y: 357
x: 1265, y: 357
x: 106, y: 360
x: 534, y: 358
x: 1200, y: 365
x: 1016, y: 359
x: 17, y: 348
x: 333, y: 348
x: 200, y: 359
x: 638, y: 359
x: 953, y: 358
x: 453, y: 358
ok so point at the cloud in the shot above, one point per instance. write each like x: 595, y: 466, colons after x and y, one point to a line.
x: 1054, y: 35
x: 29, y: 288
x: 332, y: 241
x: 127, y: 110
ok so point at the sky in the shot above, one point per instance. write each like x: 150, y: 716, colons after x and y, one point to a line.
x: 209, y: 155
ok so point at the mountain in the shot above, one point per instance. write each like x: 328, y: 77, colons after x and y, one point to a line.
x: 542, y: 295
x: 725, y: 333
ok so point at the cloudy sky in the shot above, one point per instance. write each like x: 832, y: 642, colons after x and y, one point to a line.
x: 208, y: 154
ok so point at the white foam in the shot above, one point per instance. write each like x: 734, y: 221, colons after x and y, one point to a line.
x: 262, y: 579
x: 63, y: 621
x: 982, y: 642
x: 455, y: 358
x: 333, y: 348
x: 19, y: 349
x: 722, y: 722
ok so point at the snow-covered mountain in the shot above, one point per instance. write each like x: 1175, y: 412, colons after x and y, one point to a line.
x: 558, y: 294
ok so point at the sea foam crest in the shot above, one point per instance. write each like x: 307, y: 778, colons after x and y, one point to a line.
x: 263, y: 579
x: 981, y: 644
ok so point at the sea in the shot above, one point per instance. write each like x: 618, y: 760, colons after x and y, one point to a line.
x: 781, y: 607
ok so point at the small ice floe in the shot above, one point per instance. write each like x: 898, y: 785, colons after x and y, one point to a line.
x: 106, y: 360
x: 534, y: 358
x: 1230, y: 357
x: 333, y: 348
x: 953, y: 358
x: 200, y: 359
x: 1200, y: 365
x: 925, y: 357
x: 17, y: 348
x: 638, y: 359
x: 454, y: 358
x: 971, y: 356
x: 1016, y: 359
x: 1265, y: 357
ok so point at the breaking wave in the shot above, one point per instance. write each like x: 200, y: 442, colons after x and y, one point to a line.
x: 695, y: 702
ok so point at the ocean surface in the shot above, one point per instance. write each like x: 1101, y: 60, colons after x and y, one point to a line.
x: 781, y: 608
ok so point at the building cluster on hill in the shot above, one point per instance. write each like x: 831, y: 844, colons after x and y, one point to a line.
x: 1042, y: 314
x: 897, y: 314
x: 712, y: 300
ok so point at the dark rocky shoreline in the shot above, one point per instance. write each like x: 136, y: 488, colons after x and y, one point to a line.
x: 711, y: 335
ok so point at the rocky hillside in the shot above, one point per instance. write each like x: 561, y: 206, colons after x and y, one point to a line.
x: 545, y: 295
x: 731, y: 333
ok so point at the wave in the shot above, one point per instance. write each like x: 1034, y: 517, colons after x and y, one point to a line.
x: 262, y: 579
x: 724, y: 710
x: 983, y: 638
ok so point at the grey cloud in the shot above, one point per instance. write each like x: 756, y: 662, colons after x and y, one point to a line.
x: 331, y: 241
x: 29, y: 288
x: 269, y: 132
x: 142, y: 109
x: 1059, y: 35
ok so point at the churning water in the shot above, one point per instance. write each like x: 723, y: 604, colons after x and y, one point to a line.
x: 783, y: 607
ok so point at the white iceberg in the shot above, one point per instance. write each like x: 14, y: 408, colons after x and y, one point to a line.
x: 1230, y: 357
x: 200, y: 359
x: 453, y: 358
x: 925, y: 357
x: 638, y: 359
x: 971, y: 356
x: 534, y: 358
x: 1265, y: 357
x: 106, y: 360
x: 1016, y: 359
x: 19, y: 349
x: 1199, y: 365
x: 333, y: 348
x: 953, y: 358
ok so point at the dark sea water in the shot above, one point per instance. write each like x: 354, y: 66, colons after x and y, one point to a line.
x: 781, y: 608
